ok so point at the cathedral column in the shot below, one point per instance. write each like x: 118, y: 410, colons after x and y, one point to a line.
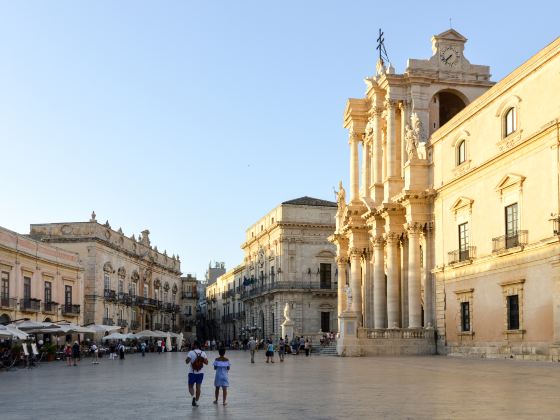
x: 391, y: 140
x: 366, y: 167
x: 341, y: 267
x: 377, y: 157
x: 414, y: 283
x: 379, y: 286
x: 354, y: 167
x: 356, y: 282
x: 405, y: 118
x: 393, y: 281
x: 367, y: 290
x: 404, y: 282
x: 428, y: 281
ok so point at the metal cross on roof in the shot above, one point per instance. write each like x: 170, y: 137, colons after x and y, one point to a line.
x: 381, y: 48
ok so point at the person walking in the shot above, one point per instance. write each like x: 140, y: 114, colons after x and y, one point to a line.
x: 221, y: 366
x: 281, y: 349
x: 269, y: 352
x: 143, y: 348
x: 158, y: 346
x: 68, y: 354
x: 252, y: 345
x: 75, y: 353
x: 307, y: 347
x: 301, y: 343
x: 95, y: 351
x: 121, y: 350
x: 112, y: 354
x: 196, y: 359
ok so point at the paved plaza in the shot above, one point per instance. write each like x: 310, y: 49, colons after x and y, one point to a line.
x: 300, y: 388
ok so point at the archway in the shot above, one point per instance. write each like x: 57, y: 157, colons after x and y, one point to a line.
x: 444, y: 105
x: 5, y: 319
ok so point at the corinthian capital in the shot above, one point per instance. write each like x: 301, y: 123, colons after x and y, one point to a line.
x: 356, y: 135
x: 414, y: 228
x: 392, y: 237
x: 377, y: 241
x: 390, y: 103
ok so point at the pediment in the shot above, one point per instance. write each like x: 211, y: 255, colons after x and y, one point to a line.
x: 325, y: 254
x: 451, y: 35
x: 510, y: 180
x: 461, y: 202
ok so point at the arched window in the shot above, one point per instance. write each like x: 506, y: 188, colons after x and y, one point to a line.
x: 461, y: 152
x: 510, y: 121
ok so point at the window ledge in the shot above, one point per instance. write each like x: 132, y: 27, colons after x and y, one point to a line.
x: 514, y: 333
x: 461, y: 263
x: 509, y: 251
x: 466, y: 333
x: 510, y: 141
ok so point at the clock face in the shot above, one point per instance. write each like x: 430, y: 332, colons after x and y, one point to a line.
x: 449, y: 56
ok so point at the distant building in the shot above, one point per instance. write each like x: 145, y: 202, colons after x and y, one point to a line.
x: 189, y: 304
x: 127, y: 282
x: 38, y: 281
x: 214, y: 272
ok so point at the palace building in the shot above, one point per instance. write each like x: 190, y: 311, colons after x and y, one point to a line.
x: 451, y: 228
x: 126, y: 281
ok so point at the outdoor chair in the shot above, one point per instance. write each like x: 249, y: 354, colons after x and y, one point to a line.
x: 26, y: 356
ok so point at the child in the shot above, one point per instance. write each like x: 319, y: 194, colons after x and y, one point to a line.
x: 221, y: 366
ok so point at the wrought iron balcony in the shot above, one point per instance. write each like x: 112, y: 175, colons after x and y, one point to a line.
x: 8, y: 302
x: 108, y: 321
x: 189, y: 295
x: 110, y: 295
x: 30, y: 305
x: 71, y: 309
x: 50, y: 307
x: 254, y: 290
x: 157, y: 326
x: 123, y: 323
x: 460, y: 255
x: 124, y: 298
x: 502, y: 243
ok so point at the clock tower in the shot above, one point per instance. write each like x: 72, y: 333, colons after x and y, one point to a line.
x: 447, y: 49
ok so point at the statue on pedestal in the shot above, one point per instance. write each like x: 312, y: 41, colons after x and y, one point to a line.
x: 287, y: 317
x: 348, y: 291
x: 413, y: 136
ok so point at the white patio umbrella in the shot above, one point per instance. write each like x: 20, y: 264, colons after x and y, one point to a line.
x: 69, y: 328
x: 146, y: 334
x: 11, y: 332
x: 160, y: 333
x: 99, y: 328
x: 180, y: 341
x: 114, y: 336
x: 168, y: 343
x: 131, y: 336
x: 30, y: 326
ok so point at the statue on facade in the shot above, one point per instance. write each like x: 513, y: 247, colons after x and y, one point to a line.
x: 341, y: 196
x: 287, y: 315
x: 413, y: 136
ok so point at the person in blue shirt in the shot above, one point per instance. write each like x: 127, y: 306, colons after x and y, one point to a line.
x: 221, y: 366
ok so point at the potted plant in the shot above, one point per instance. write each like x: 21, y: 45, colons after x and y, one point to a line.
x: 50, y: 349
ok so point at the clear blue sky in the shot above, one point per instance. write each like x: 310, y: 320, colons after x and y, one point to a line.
x: 194, y: 119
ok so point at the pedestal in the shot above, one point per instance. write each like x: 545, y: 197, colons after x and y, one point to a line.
x: 288, y: 329
x: 347, y: 344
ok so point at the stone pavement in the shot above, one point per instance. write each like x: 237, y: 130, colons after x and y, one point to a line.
x: 300, y: 388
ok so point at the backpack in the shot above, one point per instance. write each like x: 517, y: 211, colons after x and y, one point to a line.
x: 198, y: 362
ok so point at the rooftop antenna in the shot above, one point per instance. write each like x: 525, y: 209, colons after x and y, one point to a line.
x: 381, y: 48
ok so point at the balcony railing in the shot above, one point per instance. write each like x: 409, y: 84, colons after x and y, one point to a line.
x: 123, y: 323
x: 189, y: 295
x: 460, y: 255
x: 8, y: 302
x: 144, y: 301
x: 110, y: 295
x: 124, y: 298
x: 166, y: 327
x: 50, y: 307
x: 71, y: 309
x: 157, y: 326
x: 134, y: 325
x: 286, y: 285
x: 108, y: 321
x: 30, y: 305
x: 502, y: 243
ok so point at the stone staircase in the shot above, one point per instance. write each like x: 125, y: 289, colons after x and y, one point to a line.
x: 328, y: 350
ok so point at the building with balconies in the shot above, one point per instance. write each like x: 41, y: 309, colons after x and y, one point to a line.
x: 38, y: 281
x: 451, y: 226
x: 126, y: 281
x: 288, y: 259
x: 188, y: 306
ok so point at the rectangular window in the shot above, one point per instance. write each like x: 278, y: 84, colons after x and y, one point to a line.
x: 463, y: 231
x: 512, y: 223
x: 5, y: 285
x: 465, y: 316
x: 325, y: 276
x: 68, y: 296
x: 513, y: 312
x: 27, y: 288
x: 48, y: 292
x: 121, y: 287
x: 107, y: 282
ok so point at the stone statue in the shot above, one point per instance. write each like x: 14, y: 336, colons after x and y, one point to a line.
x: 413, y: 136
x: 341, y: 196
x: 348, y: 291
x: 287, y: 316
